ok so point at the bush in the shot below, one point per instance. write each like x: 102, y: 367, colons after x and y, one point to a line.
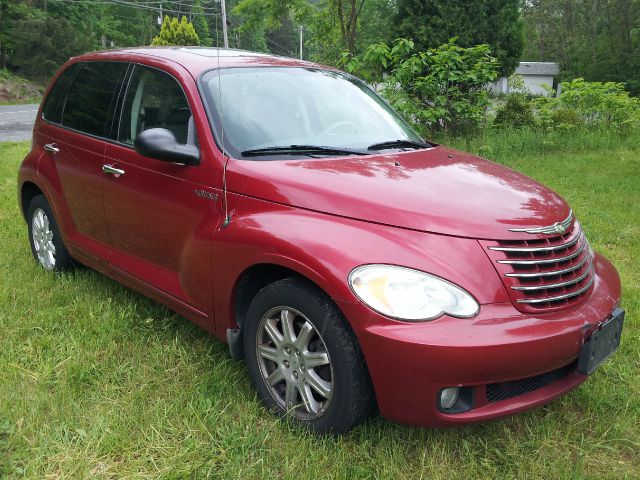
x: 442, y: 89
x: 592, y: 104
x: 516, y: 112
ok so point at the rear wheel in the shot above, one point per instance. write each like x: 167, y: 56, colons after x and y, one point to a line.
x: 44, y: 237
x: 303, y: 358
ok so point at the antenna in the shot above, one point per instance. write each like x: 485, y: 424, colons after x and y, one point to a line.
x: 227, y: 217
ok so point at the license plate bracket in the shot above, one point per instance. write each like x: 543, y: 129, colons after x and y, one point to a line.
x: 602, y: 343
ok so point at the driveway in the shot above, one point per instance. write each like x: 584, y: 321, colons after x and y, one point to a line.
x: 16, y: 122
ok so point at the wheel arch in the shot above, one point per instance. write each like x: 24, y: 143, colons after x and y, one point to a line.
x: 249, y: 283
x: 28, y: 191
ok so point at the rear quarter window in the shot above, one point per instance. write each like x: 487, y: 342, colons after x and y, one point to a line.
x: 52, y: 107
x: 90, y: 97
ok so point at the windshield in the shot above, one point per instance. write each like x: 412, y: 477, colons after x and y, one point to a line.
x: 290, y: 106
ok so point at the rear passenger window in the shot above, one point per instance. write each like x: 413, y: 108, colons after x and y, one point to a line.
x: 53, y: 103
x: 155, y: 100
x: 90, y: 96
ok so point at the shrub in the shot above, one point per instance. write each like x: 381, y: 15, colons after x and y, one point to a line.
x: 441, y: 89
x: 593, y: 104
x: 173, y: 32
x: 516, y: 112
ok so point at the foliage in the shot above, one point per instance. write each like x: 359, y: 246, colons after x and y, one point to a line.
x: 442, y: 88
x: 41, y: 45
x: 517, y: 112
x: 493, y: 22
x: 593, y: 104
x: 598, y: 40
x: 200, y: 24
x: 173, y: 32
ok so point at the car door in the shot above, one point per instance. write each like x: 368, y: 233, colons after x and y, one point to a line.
x: 161, y: 215
x: 73, y: 138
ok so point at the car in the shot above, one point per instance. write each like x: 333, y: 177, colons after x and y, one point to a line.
x: 284, y: 207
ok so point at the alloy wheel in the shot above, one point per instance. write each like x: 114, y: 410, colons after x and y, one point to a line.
x: 294, y: 363
x: 42, y: 236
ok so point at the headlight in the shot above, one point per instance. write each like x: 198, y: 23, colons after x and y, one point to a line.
x: 408, y: 294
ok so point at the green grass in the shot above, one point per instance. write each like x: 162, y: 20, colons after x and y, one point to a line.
x: 97, y: 381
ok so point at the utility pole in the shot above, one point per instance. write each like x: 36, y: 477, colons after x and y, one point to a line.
x: 300, y: 42
x: 224, y: 23
x: 160, y: 18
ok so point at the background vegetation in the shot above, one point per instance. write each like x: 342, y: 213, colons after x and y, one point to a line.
x: 598, y: 40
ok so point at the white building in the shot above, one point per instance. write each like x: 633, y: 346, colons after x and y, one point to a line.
x: 534, y: 75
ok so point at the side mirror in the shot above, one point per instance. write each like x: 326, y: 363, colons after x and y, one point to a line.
x: 161, y: 144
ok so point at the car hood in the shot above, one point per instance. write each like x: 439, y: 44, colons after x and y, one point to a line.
x: 436, y: 190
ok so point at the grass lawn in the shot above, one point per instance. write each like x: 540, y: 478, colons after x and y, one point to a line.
x: 97, y: 381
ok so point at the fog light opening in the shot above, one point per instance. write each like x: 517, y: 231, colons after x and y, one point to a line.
x: 449, y: 397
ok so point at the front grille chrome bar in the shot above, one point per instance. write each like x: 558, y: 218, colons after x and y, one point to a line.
x: 533, y: 288
x: 559, y: 297
x: 551, y: 248
x: 553, y: 273
x: 547, y: 261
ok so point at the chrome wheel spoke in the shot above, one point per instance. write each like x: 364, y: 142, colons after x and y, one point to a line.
x: 269, y: 353
x: 319, y: 385
x: 315, y: 359
x: 310, y: 403
x: 272, y: 330
x: 286, y: 317
x: 275, y: 377
x: 306, y: 332
x: 289, y: 394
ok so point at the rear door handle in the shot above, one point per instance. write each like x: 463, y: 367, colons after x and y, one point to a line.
x: 111, y: 170
x: 51, y: 147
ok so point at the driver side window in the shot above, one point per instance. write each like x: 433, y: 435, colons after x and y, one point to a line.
x: 155, y: 99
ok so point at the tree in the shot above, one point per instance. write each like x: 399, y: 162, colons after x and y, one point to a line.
x: 595, y: 39
x: 496, y: 23
x: 173, y: 32
x: 200, y: 24
x: 348, y: 13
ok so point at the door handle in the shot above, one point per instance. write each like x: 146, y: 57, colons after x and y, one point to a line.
x: 111, y: 170
x: 51, y: 147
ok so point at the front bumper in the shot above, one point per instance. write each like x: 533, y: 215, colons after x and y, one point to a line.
x: 410, y: 363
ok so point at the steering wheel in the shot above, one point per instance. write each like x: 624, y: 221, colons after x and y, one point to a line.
x: 337, y: 125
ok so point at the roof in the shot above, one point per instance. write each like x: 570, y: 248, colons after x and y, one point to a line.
x: 199, y: 59
x: 538, y: 68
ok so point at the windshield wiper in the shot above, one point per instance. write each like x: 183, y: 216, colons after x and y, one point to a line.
x: 398, y: 144
x: 304, y: 149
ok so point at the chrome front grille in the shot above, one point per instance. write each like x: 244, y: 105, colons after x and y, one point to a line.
x: 545, y: 273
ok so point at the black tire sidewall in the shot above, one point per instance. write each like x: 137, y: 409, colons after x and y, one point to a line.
x: 63, y: 260
x: 352, y: 396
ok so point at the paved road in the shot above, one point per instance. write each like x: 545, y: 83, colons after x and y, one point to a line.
x: 16, y: 122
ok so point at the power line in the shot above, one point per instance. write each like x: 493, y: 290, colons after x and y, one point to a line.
x: 140, y: 6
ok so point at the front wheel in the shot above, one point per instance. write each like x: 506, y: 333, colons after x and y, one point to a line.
x: 304, y: 360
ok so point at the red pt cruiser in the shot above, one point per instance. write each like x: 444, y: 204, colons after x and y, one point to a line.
x: 284, y: 207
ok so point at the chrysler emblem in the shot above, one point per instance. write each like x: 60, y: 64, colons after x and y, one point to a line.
x: 558, y: 228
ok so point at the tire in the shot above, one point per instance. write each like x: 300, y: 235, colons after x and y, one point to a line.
x: 317, y: 375
x: 44, y: 237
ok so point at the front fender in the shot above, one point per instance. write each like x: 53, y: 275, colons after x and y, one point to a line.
x: 325, y: 248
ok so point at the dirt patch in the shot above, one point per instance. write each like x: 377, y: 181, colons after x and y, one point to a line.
x: 14, y: 89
